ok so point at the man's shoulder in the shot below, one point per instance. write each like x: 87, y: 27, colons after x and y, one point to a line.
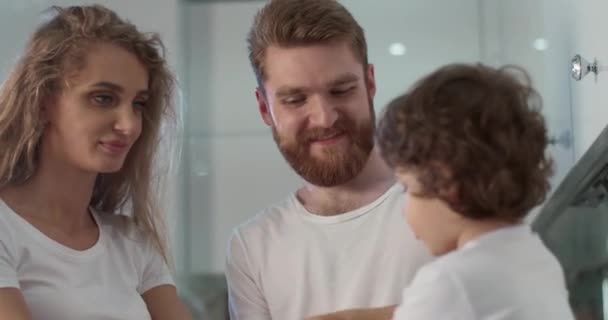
x: 275, y: 216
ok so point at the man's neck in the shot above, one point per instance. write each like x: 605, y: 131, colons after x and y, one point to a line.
x: 372, y: 182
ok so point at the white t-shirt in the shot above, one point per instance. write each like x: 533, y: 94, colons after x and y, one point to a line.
x: 105, y: 281
x: 287, y: 263
x: 506, y: 274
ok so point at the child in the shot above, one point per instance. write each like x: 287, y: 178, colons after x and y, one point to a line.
x: 468, y: 144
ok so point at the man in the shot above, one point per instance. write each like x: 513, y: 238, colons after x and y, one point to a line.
x: 339, y: 242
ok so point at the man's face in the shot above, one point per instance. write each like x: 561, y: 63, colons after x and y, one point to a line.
x: 318, y: 101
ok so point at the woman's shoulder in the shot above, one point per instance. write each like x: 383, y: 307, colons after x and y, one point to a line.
x: 9, y: 222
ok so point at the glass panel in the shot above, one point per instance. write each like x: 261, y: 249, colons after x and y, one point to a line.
x: 574, y: 223
x: 406, y: 38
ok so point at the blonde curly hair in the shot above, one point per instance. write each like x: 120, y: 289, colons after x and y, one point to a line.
x: 58, y: 48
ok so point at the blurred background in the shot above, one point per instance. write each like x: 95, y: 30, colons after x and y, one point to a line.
x: 228, y: 168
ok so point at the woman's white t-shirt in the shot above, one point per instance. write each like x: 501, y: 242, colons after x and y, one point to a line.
x: 506, y: 274
x: 105, y: 281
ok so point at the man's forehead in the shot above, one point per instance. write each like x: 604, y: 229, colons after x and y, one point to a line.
x: 310, y: 58
x: 340, y: 80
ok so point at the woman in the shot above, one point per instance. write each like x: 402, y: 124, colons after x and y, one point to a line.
x: 80, y: 117
x: 468, y: 143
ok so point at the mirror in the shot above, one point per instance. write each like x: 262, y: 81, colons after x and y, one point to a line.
x: 229, y: 152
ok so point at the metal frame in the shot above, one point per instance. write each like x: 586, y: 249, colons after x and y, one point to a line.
x: 578, y: 181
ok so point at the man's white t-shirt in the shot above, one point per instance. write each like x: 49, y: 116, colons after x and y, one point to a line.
x: 105, y: 281
x: 506, y: 274
x: 287, y: 263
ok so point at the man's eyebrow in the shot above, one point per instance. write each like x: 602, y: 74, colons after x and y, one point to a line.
x: 344, y: 79
x: 288, y: 91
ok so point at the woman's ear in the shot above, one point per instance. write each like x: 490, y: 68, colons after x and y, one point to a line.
x: 46, y: 110
x: 43, y: 116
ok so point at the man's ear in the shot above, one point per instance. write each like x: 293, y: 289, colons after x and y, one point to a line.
x: 370, y: 77
x: 263, y: 106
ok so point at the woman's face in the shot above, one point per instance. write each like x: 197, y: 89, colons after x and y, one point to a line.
x: 95, y: 120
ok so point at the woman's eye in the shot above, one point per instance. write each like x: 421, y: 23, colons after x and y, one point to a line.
x: 140, y: 105
x: 103, y: 99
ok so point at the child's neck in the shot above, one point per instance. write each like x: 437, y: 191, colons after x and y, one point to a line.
x: 475, y: 229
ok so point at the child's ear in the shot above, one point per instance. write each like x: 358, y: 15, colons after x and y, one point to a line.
x: 450, y: 192
x: 450, y: 189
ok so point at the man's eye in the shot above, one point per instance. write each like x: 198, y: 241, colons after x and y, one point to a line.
x: 294, y: 101
x: 341, y: 91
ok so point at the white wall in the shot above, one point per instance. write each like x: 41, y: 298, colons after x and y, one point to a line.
x: 18, y: 18
x: 510, y: 31
x: 435, y: 33
x: 590, y: 95
x: 570, y: 27
x: 235, y: 168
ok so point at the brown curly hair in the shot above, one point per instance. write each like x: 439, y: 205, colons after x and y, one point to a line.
x: 475, y: 128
